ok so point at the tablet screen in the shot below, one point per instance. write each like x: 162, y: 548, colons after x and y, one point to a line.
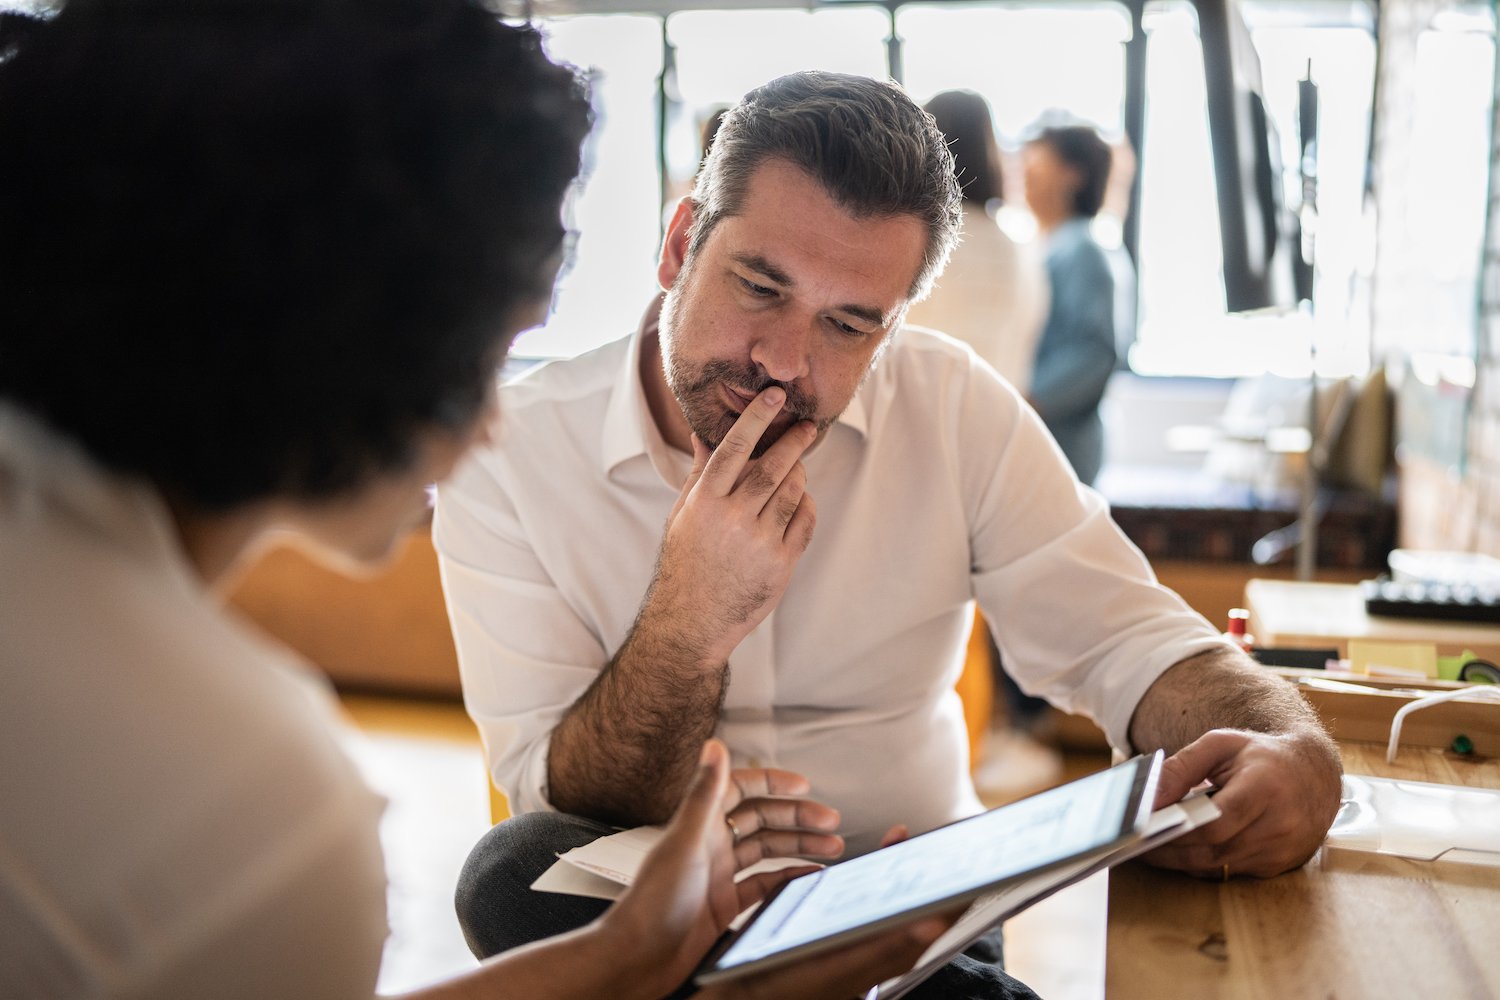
x: 945, y: 866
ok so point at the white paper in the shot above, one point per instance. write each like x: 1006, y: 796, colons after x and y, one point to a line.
x: 617, y: 857
x: 571, y: 880
x: 604, y: 868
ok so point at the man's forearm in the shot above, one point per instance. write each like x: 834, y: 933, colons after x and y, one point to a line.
x: 626, y: 750
x: 1227, y: 721
x: 1221, y: 689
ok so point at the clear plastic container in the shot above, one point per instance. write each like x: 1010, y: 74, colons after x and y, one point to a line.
x: 1449, y: 569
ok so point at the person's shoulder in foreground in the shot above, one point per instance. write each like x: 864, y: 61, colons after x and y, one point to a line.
x: 260, y: 260
x: 173, y: 785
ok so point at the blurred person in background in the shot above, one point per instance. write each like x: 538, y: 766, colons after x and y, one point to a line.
x: 993, y: 295
x: 1067, y: 170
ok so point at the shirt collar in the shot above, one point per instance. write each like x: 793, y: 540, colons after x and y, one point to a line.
x: 631, y: 432
x: 629, y: 429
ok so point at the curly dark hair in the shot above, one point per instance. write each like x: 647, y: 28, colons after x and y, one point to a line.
x: 16, y: 26
x: 254, y: 248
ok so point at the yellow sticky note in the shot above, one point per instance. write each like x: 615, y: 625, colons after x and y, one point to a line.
x: 1393, y: 659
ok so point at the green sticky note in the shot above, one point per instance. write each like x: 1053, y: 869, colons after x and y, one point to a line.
x: 1449, y: 666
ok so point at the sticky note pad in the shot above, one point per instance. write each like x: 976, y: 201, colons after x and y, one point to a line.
x: 1393, y: 659
x: 1449, y: 666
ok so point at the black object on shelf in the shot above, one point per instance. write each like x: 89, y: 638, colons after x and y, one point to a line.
x: 1294, y: 656
x: 1479, y: 672
x: 1463, y: 603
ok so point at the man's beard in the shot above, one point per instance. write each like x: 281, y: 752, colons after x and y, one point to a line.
x: 697, y: 391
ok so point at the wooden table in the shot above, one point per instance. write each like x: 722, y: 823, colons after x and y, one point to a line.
x: 1349, y: 925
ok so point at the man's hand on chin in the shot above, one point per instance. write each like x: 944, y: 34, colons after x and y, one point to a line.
x: 625, y: 751
x: 734, y: 535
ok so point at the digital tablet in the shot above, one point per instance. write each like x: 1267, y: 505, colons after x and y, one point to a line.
x: 941, y: 869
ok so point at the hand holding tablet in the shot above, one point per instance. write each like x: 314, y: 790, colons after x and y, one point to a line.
x: 943, y: 869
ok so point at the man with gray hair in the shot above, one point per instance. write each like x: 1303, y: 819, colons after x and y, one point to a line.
x: 821, y: 640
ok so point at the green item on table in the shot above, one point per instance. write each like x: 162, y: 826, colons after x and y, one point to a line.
x: 1449, y: 666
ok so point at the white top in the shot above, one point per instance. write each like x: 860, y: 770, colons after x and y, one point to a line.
x: 937, y: 485
x: 176, y: 816
x: 993, y: 296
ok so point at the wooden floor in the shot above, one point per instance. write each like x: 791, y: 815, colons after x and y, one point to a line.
x: 425, y: 757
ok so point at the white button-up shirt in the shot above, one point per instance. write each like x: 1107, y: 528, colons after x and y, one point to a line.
x: 936, y: 487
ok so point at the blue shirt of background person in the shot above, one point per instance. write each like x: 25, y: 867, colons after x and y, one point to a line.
x: 1067, y: 168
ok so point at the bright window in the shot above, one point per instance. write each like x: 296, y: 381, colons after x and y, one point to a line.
x: 1184, y: 328
x: 1437, y: 261
x: 712, y: 71
x: 613, y: 270
x: 1070, y: 57
x: 1025, y: 60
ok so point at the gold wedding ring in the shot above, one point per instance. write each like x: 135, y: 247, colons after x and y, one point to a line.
x: 734, y: 832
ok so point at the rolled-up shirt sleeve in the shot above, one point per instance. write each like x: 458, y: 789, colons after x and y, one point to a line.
x: 1074, y: 606
x: 524, y: 654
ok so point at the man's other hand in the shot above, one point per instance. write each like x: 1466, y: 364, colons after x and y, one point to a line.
x: 774, y: 818
x: 1278, y: 796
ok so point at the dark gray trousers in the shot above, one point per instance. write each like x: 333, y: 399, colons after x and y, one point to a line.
x: 498, y: 910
